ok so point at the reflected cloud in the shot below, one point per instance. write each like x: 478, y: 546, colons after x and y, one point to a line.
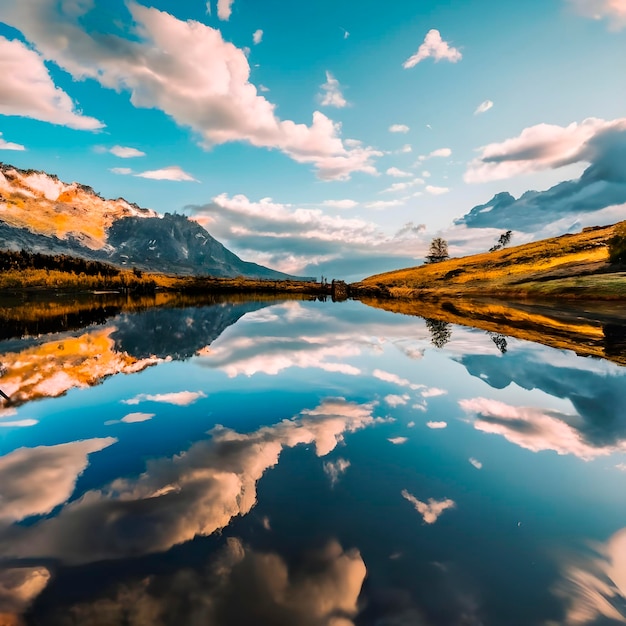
x: 389, y: 377
x: 431, y: 510
x: 536, y: 429
x: 33, y: 481
x: 433, y: 392
x: 134, y: 418
x: 594, y: 587
x: 437, y: 425
x: 394, y: 400
x: 18, y: 588
x: 476, y: 463
x: 335, y: 469
x: 179, y: 398
x: 397, y: 441
x: 196, y: 492
x: 321, y: 590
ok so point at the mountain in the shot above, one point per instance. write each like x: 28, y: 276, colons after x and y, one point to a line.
x: 40, y: 213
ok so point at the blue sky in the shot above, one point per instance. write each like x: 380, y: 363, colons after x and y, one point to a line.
x: 301, y: 113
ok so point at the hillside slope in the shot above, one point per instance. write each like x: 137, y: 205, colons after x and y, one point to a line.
x: 568, y: 266
x: 40, y: 213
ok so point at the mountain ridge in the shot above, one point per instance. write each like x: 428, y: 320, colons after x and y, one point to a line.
x: 41, y: 213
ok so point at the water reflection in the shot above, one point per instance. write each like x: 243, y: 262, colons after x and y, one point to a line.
x: 297, y: 462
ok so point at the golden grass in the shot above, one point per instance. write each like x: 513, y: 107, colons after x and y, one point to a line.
x: 573, y: 266
x: 573, y: 327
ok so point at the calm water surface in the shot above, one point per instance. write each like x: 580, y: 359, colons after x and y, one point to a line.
x: 306, y: 463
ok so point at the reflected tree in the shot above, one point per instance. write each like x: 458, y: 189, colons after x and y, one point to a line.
x: 440, y: 331
x: 500, y: 341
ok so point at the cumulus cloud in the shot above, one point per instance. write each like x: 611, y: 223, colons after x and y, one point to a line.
x: 613, y: 11
x: 194, y: 493
x: 340, y: 204
x: 179, y: 398
x: 188, y: 71
x: 224, y: 9
x: 335, y: 469
x: 173, y: 172
x: 257, y: 37
x: 398, y: 173
x: 124, y: 152
x: 297, y: 240
x: 399, y: 128
x: 437, y: 425
x: 331, y: 95
x: 439, y: 153
x: 436, y: 191
x: 7, y: 145
x: 433, y: 46
x: 33, y: 481
x: 28, y: 90
x: 483, y: 107
x: 536, y: 429
x: 545, y: 146
x: 431, y: 510
x: 433, y: 392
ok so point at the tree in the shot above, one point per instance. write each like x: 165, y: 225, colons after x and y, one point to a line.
x: 503, y: 241
x: 438, y: 251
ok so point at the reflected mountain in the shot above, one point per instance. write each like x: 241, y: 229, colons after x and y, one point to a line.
x: 594, y: 388
x: 118, y: 336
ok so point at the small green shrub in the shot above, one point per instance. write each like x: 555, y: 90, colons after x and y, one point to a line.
x: 617, y: 244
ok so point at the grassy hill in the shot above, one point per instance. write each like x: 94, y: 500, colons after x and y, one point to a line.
x: 570, y: 266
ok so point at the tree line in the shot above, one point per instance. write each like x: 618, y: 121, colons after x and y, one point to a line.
x: 24, y: 260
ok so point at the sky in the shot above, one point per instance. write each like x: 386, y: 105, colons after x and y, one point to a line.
x: 334, y: 137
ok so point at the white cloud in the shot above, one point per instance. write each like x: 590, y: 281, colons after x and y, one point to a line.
x: 124, y: 171
x: 395, y: 400
x: 431, y: 510
x: 483, y: 107
x: 436, y: 191
x: 406, y: 149
x: 28, y: 90
x: 379, y: 205
x: 476, y: 463
x: 340, y: 204
x: 188, y: 71
x: 224, y: 9
x: 439, y: 153
x: 437, y: 425
x: 335, y: 469
x: 124, y: 152
x: 541, y: 147
x: 398, y: 173
x: 257, y: 37
x: 134, y: 418
x: 25, y: 423
x: 433, y: 46
x: 263, y: 88
x: 332, y: 96
x: 294, y: 239
x: 399, y: 128
x: 7, y: 145
x: 397, y: 187
x: 433, y: 392
x: 397, y: 441
x: 614, y: 11
x: 180, y: 398
x: 173, y: 172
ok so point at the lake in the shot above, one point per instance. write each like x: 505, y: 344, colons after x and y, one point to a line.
x: 267, y: 462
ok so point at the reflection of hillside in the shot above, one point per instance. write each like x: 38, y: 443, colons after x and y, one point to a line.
x: 50, y: 365
x: 599, y: 331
